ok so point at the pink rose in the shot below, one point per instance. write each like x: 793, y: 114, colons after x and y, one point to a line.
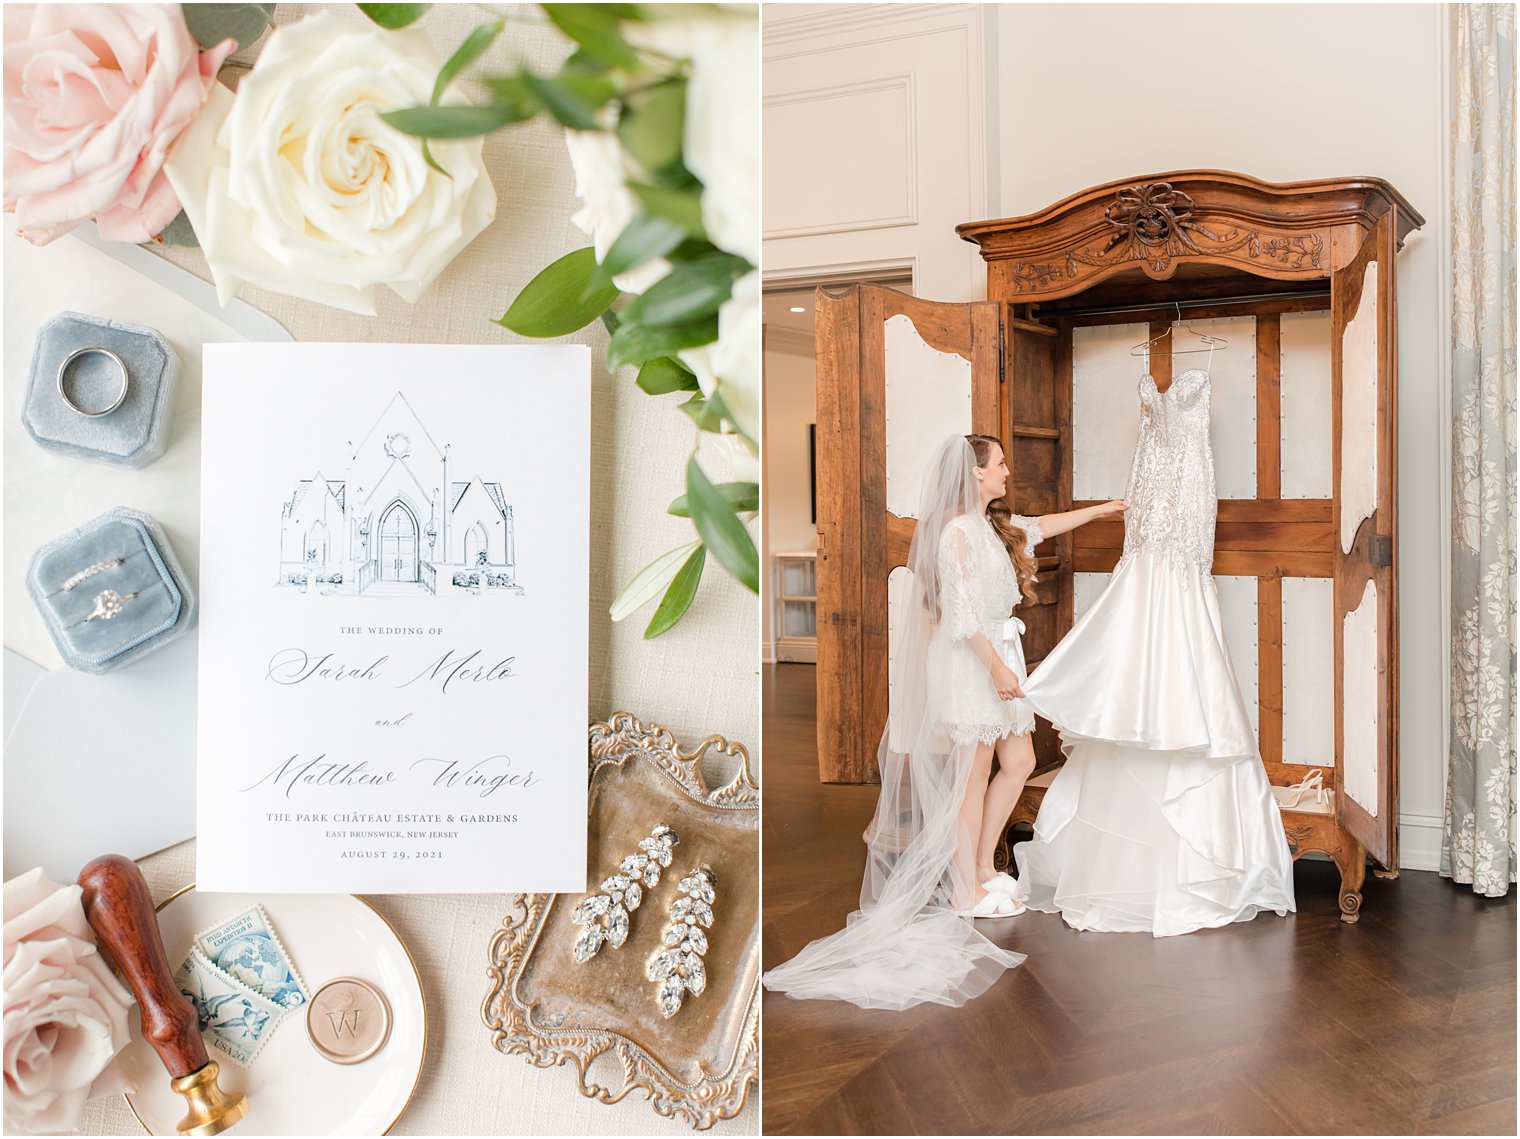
x: 65, y: 1011
x: 95, y: 94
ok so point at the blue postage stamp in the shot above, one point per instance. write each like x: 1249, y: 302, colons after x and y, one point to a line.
x: 234, y: 1020
x: 247, y: 949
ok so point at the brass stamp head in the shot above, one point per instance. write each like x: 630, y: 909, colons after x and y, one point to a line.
x: 348, y: 1020
x: 211, y: 1110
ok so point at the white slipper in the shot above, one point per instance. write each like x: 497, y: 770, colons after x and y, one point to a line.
x: 993, y: 906
x: 1001, y: 883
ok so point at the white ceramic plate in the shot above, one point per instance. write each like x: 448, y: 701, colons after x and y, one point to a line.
x: 291, y: 1089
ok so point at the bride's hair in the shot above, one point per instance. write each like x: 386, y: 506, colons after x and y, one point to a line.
x: 1000, y: 514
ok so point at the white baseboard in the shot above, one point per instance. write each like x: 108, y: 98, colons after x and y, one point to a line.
x: 1420, y: 842
x: 768, y: 652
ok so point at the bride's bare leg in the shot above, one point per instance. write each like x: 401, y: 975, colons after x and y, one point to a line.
x: 966, y: 879
x: 1015, y: 756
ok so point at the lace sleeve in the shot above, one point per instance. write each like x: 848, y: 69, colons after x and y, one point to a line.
x: 960, y: 599
x: 1031, y: 527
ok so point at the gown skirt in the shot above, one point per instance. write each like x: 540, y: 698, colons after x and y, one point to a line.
x: 1161, y: 820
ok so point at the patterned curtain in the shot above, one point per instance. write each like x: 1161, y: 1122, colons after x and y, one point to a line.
x: 1478, y: 844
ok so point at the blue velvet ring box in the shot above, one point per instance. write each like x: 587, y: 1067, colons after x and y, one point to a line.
x: 160, y: 612
x: 135, y: 433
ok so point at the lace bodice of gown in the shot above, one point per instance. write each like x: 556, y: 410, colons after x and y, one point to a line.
x: 1171, y: 493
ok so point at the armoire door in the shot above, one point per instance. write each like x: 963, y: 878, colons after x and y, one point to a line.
x: 1365, y: 460
x: 896, y: 375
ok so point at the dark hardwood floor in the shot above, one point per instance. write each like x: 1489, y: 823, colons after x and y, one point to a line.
x: 1402, y: 1024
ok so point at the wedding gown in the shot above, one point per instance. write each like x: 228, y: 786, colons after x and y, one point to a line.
x: 1162, y: 819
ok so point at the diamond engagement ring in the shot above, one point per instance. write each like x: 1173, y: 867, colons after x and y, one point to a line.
x: 89, y: 572
x: 108, y: 604
x: 93, y: 350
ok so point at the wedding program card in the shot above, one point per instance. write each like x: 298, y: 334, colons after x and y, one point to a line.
x: 393, y: 628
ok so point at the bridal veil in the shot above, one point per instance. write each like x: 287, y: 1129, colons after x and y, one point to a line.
x: 905, y: 945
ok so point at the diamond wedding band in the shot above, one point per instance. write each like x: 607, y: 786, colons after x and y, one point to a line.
x: 108, y: 603
x: 93, y: 349
x: 89, y: 572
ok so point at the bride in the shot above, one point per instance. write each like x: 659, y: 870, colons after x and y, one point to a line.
x: 955, y: 703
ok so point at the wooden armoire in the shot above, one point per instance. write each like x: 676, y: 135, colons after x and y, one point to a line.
x: 1299, y: 279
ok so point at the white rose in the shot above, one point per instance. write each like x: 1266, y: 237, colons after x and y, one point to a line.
x: 65, y: 1011
x: 602, y: 170
x: 730, y: 366
x: 297, y: 184
x: 721, y: 142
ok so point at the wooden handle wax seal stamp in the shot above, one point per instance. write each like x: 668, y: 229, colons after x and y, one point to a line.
x: 120, y: 909
x: 348, y: 1020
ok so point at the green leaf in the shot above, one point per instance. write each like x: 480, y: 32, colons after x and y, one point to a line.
x: 573, y: 99
x: 596, y: 28
x: 662, y: 375
x: 645, y: 238
x: 678, y: 598
x: 513, y: 91
x: 463, y: 121
x: 610, y: 321
x: 691, y: 289
x: 702, y: 412
x: 684, y: 206
x: 651, y: 126
x: 740, y: 495
x: 474, y: 46
x: 721, y: 530
x: 553, y: 303
x: 634, y: 343
x: 394, y: 16
x: 427, y: 156
x: 650, y: 580
x: 210, y: 24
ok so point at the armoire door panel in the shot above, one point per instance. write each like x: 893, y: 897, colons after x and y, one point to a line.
x: 1364, y: 461
x: 890, y: 355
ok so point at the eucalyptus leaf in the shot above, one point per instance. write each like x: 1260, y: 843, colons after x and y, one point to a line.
x: 683, y: 206
x: 678, y: 598
x: 650, y: 580
x: 662, y: 375
x: 474, y: 46
x: 634, y: 343
x: 645, y: 238
x: 210, y: 24
x: 462, y: 121
x: 740, y: 495
x: 651, y: 125
x: 393, y: 16
x: 596, y: 28
x: 721, y: 529
x: 553, y: 303
x: 691, y: 289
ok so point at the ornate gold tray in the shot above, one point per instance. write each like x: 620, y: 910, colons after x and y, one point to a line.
x: 698, y: 1065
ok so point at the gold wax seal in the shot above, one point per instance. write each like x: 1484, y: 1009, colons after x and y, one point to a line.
x: 348, y: 1020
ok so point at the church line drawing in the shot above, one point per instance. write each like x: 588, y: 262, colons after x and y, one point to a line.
x: 398, y: 522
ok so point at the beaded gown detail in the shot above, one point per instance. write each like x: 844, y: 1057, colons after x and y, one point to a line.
x: 1161, y: 820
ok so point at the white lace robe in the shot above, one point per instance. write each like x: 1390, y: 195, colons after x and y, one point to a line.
x: 978, y: 591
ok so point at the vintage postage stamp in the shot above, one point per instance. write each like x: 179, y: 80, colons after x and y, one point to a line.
x: 234, y: 1019
x: 248, y: 950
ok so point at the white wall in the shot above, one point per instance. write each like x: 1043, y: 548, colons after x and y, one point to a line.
x: 876, y: 141
x: 790, y: 405
x: 887, y: 125
x: 1281, y: 92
